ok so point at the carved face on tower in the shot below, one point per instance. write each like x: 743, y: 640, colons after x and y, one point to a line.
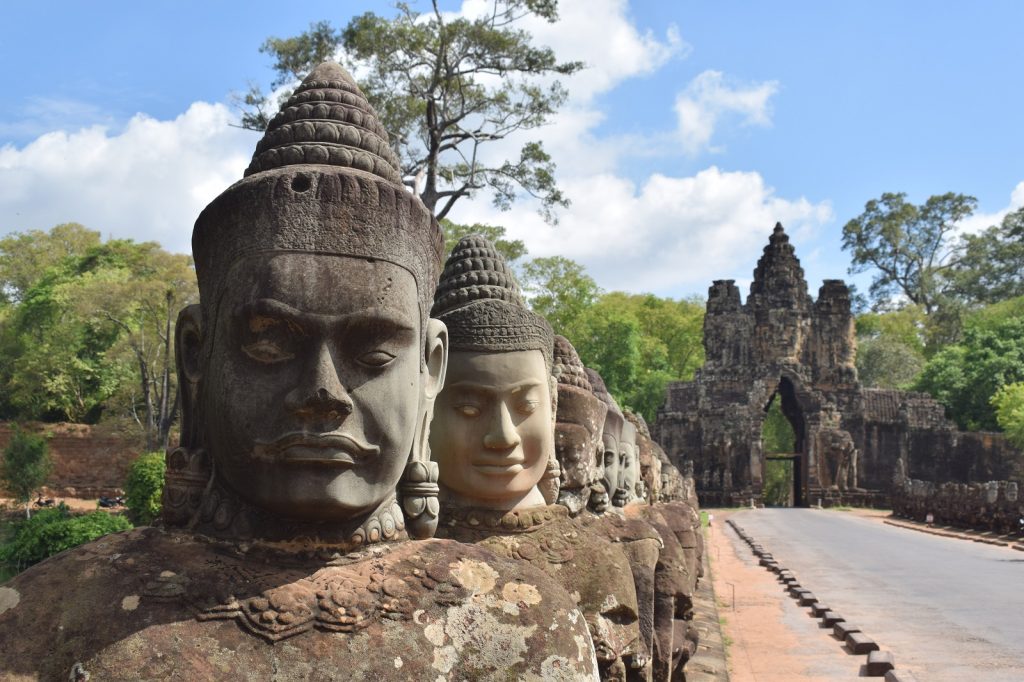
x: 492, y: 432
x: 310, y: 365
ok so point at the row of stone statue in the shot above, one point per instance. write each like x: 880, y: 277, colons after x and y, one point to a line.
x: 994, y: 506
x: 386, y: 471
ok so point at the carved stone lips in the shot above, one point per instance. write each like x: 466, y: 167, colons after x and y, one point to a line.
x: 336, y: 449
x: 501, y: 465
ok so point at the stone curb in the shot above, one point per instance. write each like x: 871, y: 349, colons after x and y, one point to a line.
x: 708, y: 663
x: 854, y: 641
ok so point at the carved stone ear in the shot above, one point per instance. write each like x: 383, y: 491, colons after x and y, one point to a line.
x: 188, y: 342
x: 436, y: 356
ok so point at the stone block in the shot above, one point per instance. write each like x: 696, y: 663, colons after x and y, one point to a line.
x: 842, y: 629
x: 830, y: 618
x: 818, y: 609
x: 859, y: 643
x: 807, y: 598
x: 880, y: 663
x: 900, y: 676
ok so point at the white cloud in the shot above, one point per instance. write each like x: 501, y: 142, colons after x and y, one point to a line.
x: 150, y: 181
x: 600, y: 34
x: 980, y: 221
x: 708, y: 98
x: 671, y: 236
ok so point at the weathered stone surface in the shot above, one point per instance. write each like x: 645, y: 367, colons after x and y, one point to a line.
x: 850, y: 441
x: 153, y: 605
x: 996, y: 506
x: 594, y: 570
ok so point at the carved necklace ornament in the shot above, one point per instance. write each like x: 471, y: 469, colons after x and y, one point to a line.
x: 539, y: 535
x: 275, y: 601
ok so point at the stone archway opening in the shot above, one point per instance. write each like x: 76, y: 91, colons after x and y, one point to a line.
x: 783, y: 438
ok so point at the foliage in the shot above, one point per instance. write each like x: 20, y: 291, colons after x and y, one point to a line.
x: 143, y: 488
x: 560, y: 290
x: 25, y: 467
x: 91, y: 332
x: 638, y: 343
x: 778, y: 482
x: 964, y: 377
x: 510, y: 249
x: 54, y: 530
x: 1008, y: 402
x: 24, y: 257
x: 444, y: 87
x: 992, y: 266
x: 885, y: 362
x: 777, y: 435
x: 909, y: 247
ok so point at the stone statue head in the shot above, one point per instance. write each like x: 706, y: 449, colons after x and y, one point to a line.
x: 578, y: 426
x: 629, y: 470
x: 310, y: 365
x: 648, y: 477
x: 493, y: 429
x: 610, y: 436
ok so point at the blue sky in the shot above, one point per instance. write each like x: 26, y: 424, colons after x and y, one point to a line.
x: 696, y: 126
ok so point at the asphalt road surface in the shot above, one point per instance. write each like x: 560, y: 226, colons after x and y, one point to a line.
x: 948, y: 609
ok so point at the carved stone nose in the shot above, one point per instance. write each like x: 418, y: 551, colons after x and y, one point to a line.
x: 320, y: 402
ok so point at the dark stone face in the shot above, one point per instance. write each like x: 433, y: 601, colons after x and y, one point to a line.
x: 312, y: 386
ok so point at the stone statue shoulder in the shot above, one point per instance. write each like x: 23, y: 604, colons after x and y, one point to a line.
x: 153, y: 604
x: 590, y: 567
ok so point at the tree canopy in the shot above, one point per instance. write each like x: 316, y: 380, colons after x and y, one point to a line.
x: 445, y: 87
x: 89, y: 327
x: 908, y: 247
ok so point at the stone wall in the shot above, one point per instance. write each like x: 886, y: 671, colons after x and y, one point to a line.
x: 85, y: 464
x: 995, y: 506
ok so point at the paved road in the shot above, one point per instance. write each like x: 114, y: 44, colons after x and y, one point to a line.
x: 948, y: 609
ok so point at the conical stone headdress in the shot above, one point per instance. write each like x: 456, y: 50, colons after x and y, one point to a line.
x: 478, y: 299
x: 323, y: 179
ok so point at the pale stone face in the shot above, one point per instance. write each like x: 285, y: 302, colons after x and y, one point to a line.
x: 492, y: 430
x: 611, y: 462
x: 313, y: 383
x: 629, y: 469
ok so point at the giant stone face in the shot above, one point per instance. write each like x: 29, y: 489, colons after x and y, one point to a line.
x: 312, y: 382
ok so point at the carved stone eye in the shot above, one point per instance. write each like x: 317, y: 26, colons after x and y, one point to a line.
x: 376, y: 358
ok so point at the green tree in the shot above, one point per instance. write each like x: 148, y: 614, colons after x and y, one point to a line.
x: 54, y: 530
x: 26, y: 466
x: 510, y: 249
x: 445, y: 88
x: 143, y: 488
x: 561, y: 290
x: 910, y: 248
x: 888, y: 363
x: 1008, y: 402
x: 964, y: 377
x: 92, y: 332
x: 26, y: 256
x: 992, y: 266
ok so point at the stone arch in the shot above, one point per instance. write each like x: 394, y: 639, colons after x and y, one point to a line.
x: 797, y: 405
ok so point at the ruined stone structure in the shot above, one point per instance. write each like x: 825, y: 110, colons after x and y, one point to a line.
x: 783, y: 345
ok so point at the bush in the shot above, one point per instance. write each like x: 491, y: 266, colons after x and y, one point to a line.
x: 144, y: 487
x: 54, y: 530
x: 26, y: 466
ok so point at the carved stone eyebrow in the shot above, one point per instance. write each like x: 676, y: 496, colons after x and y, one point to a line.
x: 491, y: 388
x: 374, y: 318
